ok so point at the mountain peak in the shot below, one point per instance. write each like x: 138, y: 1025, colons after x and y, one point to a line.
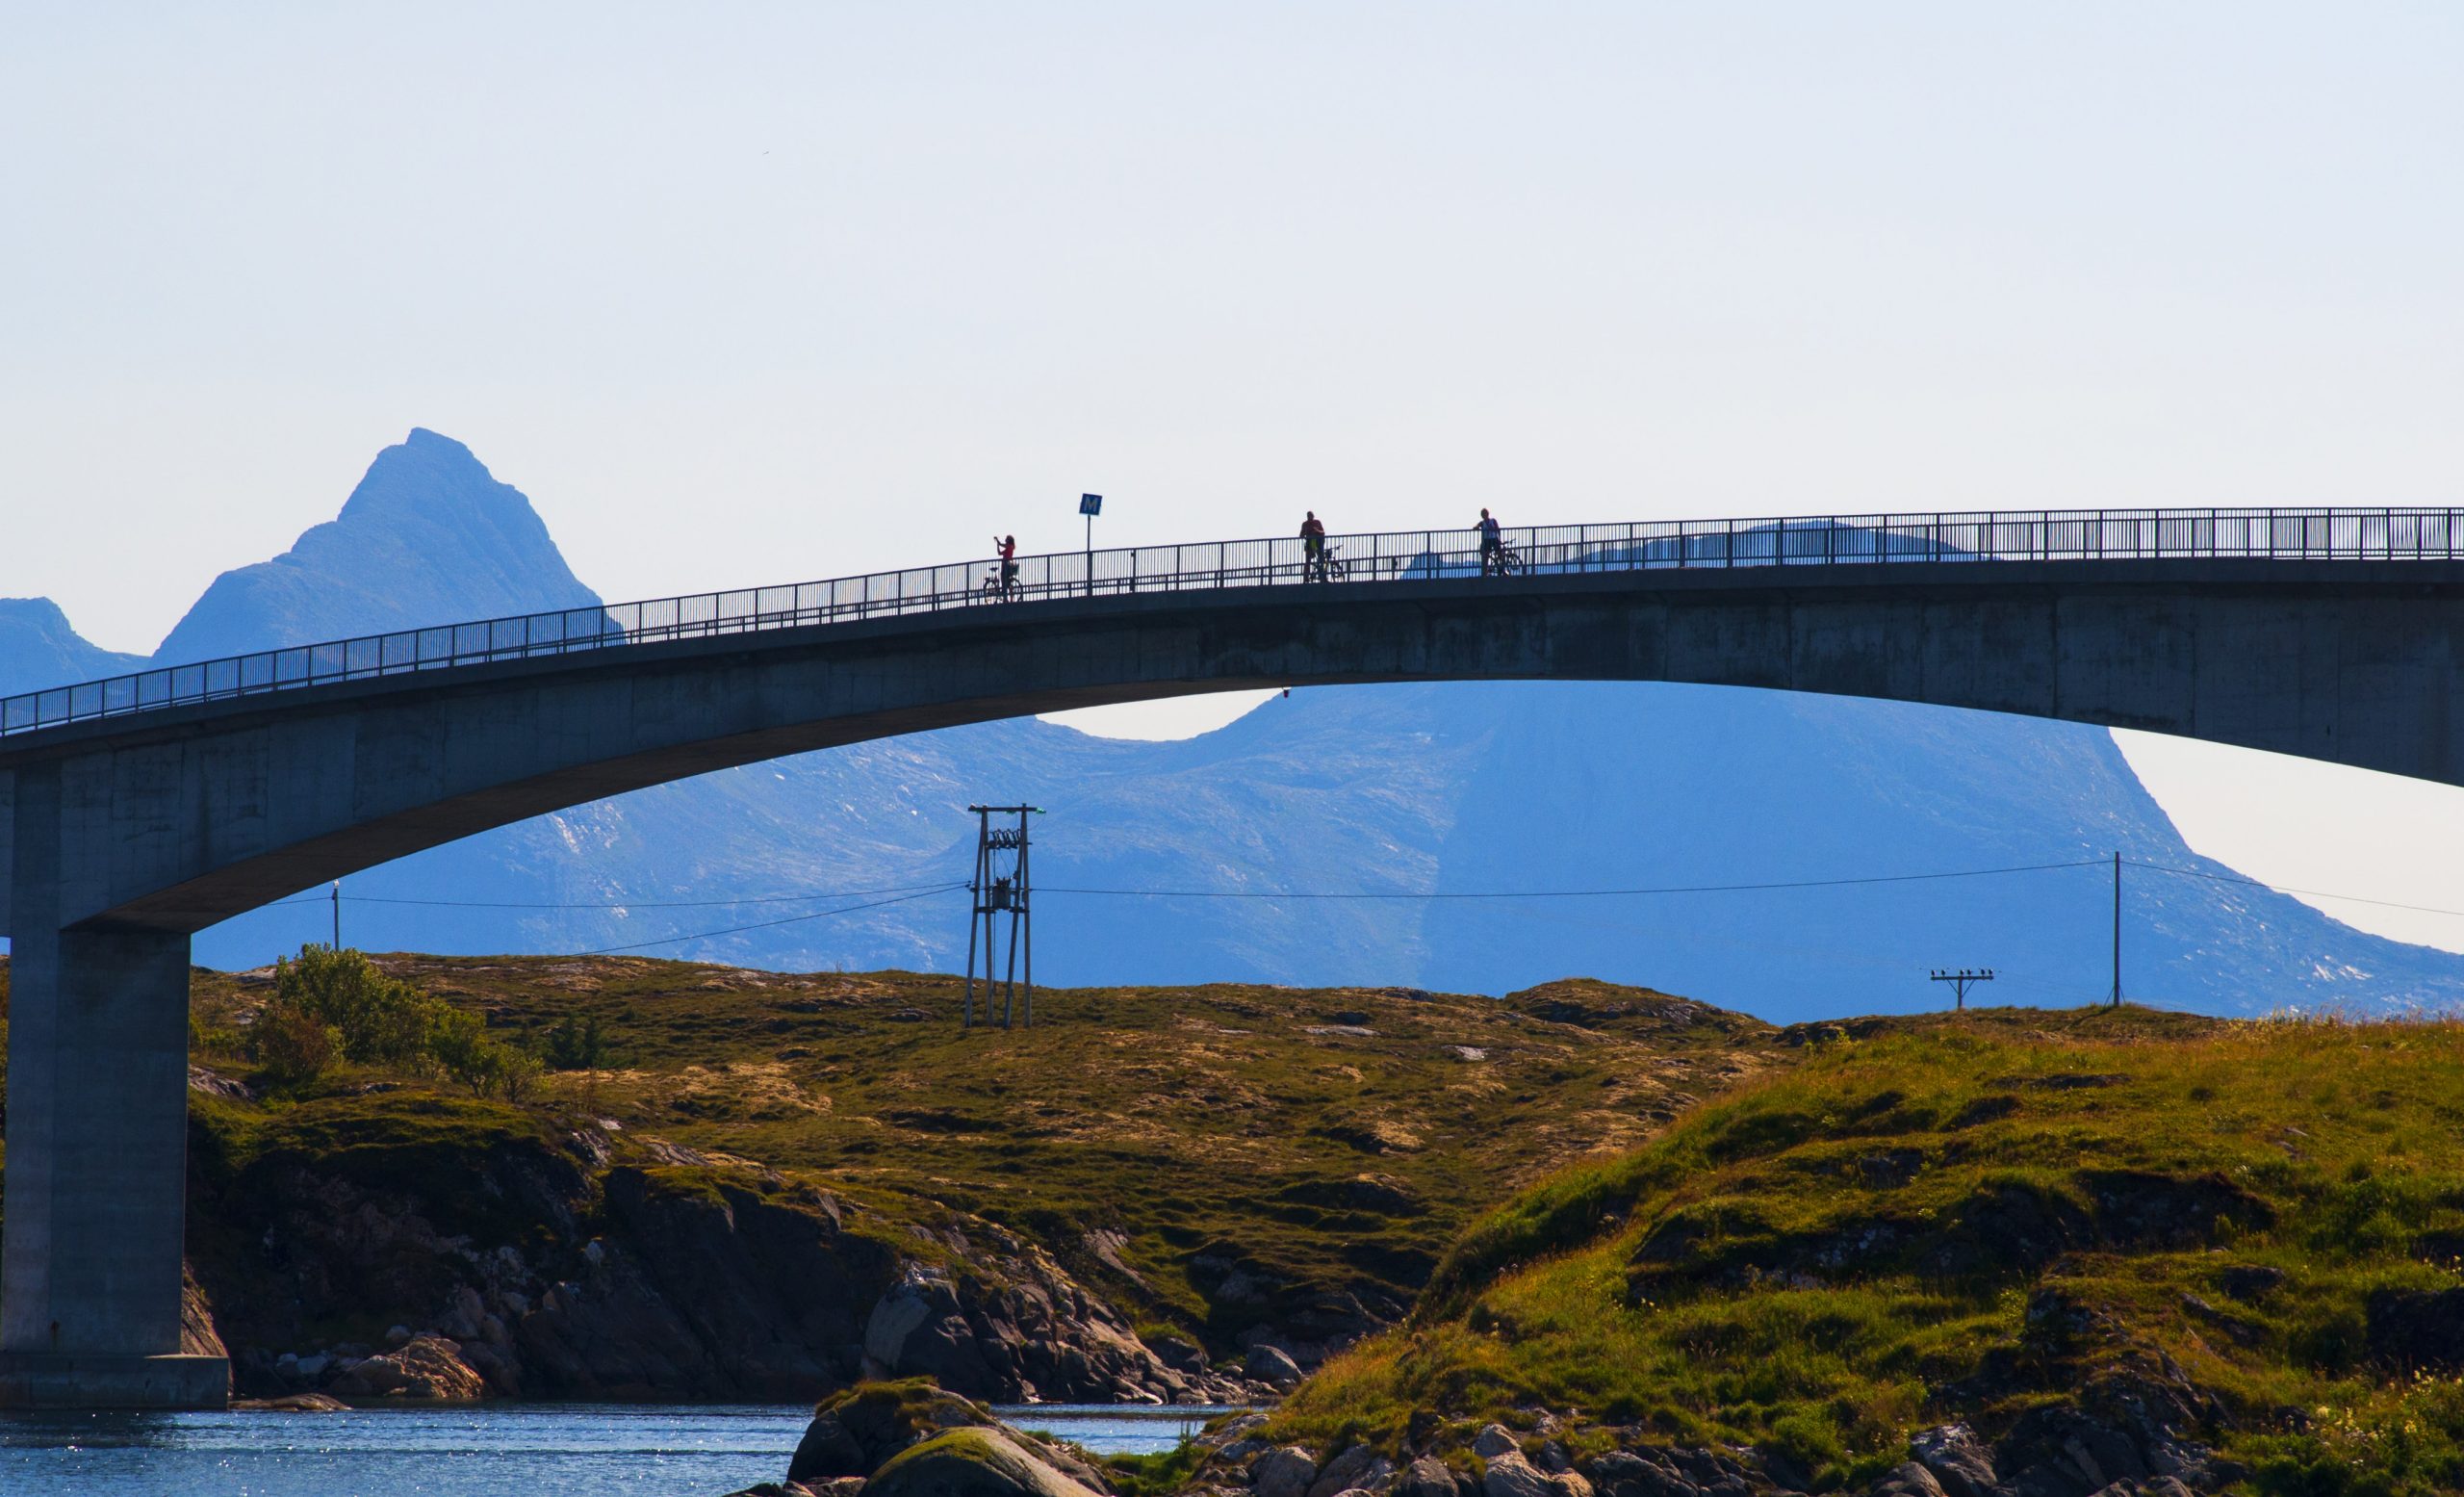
x: 428, y: 536
x: 425, y: 469
x: 39, y: 649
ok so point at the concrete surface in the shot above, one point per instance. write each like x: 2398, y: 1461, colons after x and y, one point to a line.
x: 124, y: 835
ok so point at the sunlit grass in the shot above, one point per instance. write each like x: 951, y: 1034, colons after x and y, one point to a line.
x: 1710, y: 1285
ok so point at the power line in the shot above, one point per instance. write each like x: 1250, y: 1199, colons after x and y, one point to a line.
x: 1569, y: 894
x: 920, y: 891
x: 669, y: 940
x: 2286, y: 888
x: 1192, y: 893
x: 634, y: 904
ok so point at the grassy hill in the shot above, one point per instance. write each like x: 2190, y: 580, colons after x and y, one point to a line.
x: 1610, y: 1219
x: 1212, y: 1160
x: 1158, y: 1141
x: 2055, y: 1227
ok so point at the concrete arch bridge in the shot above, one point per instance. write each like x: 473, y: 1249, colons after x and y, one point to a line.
x: 138, y: 810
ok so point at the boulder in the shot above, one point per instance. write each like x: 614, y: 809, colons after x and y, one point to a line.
x: 1623, y: 1473
x: 1179, y: 1354
x: 428, y: 1368
x: 976, y: 1461
x: 1428, y: 1477
x: 1493, y: 1440
x: 1684, y: 1472
x: 1285, y: 1471
x: 1036, y: 1334
x: 1908, y: 1479
x: 1959, y: 1463
x: 854, y: 1433
x: 1270, y: 1364
x: 1356, y: 1466
x: 1509, y: 1475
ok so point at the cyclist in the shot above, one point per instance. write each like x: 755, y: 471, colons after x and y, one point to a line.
x: 1313, y: 547
x: 1007, y: 546
x: 1492, y: 547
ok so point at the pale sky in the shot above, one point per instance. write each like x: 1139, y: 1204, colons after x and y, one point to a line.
x: 749, y: 293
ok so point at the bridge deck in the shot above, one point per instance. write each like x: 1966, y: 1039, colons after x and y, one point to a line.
x: 1407, y: 555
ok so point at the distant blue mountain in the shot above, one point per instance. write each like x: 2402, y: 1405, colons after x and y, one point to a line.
x: 428, y: 537
x: 38, y: 649
x: 1454, y: 789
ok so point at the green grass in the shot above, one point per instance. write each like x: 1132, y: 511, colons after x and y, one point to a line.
x: 1159, y: 1473
x: 1817, y: 1264
x: 1153, y: 1139
x: 1627, y: 1208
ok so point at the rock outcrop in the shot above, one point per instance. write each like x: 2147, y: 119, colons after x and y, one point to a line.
x: 429, y: 1369
x: 541, y: 1268
x: 854, y: 1433
x: 908, y: 1438
x: 972, y: 1463
x: 2130, y: 1430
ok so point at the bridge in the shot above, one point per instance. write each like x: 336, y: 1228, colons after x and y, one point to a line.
x: 138, y: 810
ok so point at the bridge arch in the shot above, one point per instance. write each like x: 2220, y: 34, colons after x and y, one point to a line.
x: 124, y: 833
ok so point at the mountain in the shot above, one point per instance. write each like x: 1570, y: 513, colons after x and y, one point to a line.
x: 38, y: 649
x: 1451, y: 789
x: 430, y: 536
x: 1457, y: 788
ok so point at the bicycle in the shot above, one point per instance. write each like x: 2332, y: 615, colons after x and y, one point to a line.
x: 1505, y: 563
x: 1330, y: 565
x: 1000, y: 585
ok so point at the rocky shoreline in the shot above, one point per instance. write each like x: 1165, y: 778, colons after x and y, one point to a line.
x: 692, y: 1280
x: 2121, y: 1437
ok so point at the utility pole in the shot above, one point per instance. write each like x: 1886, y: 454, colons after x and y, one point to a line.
x: 1960, y: 979
x: 2116, y: 999
x: 338, y: 914
x: 1090, y: 506
x: 1000, y: 885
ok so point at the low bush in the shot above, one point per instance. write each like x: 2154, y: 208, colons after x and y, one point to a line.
x: 330, y: 1006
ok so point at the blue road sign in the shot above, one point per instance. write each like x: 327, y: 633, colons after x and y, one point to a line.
x: 1090, y: 503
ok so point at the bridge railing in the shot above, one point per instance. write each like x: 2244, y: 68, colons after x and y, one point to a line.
x: 1401, y: 556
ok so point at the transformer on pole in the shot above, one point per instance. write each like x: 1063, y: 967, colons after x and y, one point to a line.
x: 1000, y: 887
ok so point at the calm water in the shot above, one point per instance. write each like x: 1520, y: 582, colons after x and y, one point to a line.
x: 540, y: 1450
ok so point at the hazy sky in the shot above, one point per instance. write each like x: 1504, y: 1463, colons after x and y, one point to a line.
x: 750, y: 292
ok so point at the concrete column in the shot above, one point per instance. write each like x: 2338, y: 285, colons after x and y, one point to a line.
x: 97, y: 1150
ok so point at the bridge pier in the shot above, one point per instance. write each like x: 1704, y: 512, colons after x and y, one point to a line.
x: 92, y: 1241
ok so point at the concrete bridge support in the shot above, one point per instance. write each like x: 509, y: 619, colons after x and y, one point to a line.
x: 98, y: 1147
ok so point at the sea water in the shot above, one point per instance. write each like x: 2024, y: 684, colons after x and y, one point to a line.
x: 527, y: 1450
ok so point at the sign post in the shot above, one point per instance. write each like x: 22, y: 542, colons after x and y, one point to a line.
x: 1091, y: 505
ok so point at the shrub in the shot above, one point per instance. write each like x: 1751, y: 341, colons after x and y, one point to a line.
x: 576, y: 1047
x: 459, y: 1042
x: 292, y: 1047
x: 381, y: 1020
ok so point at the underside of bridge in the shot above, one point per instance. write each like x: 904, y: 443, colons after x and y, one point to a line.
x: 121, y: 837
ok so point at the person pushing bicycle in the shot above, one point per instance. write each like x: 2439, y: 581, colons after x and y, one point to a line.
x: 1313, y: 547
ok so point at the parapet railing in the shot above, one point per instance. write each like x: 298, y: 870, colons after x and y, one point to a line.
x: 2045, y: 536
